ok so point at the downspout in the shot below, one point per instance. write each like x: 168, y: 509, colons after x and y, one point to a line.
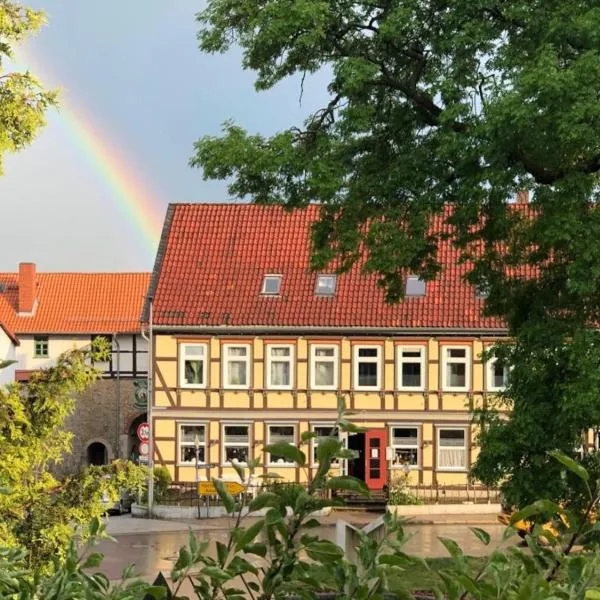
x: 118, y: 415
x: 149, y: 340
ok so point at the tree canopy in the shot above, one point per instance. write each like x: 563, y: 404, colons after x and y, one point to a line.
x: 23, y: 100
x: 444, y: 107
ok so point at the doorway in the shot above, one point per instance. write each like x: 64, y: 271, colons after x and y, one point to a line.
x: 97, y: 454
x: 356, y: 466
x: 370, y: 465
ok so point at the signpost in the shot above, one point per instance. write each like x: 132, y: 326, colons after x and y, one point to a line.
x: 207, y: 488
x: 143, y: 432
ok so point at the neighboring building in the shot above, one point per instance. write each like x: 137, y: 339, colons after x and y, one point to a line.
x: 251, y: 347
x: 45, y: 314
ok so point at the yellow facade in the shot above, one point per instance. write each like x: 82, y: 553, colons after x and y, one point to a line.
x: 431, y: 426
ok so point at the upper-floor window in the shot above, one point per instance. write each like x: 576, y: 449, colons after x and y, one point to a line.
x: 411, y: 367
x: 280, y: 366
x: 236, y: 443
x: 452, y: 448
x: 325, y: 285
x: 236, y: 365
x: 367, y: 367
x: 271, y: 285
x: 277, y: 434
x: 497, y: 375
x: 456, y: 368
x: 192, y: 365
x: 40, y: 346
x: 324, y: 367
x: 415, y: 286
x: 192, y: 443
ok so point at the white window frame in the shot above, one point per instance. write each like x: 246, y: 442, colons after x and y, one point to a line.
x: 225, y: 444
x: 314, y: 444
x: 264, y: 285
x: 289, y: 360
x: 416, y: 467
x: 334, y: 360
x: 490, y: 376
x: 293, y: 443
x: 400, y: 361
x: 465, y: 429
x: 333, y: 278
x: 446, y: 361
x: 225, y: 366
x: 180, y: 445
x: 358, y: 359
x: 182, y: 357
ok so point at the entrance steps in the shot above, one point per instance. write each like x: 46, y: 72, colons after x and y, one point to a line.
x: 376, y: 500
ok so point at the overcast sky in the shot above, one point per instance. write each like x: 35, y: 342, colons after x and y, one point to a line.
x: 134, y: 69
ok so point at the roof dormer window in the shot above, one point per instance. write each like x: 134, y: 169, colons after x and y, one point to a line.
x: 271, y: 285
x: 325, y: 285
x: 415, y: 286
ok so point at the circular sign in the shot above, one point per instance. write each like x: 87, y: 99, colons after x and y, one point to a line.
x: 143, y: 432
x: 144, y: 448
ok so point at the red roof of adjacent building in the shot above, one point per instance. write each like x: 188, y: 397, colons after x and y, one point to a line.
x: 213, y: 257
x: 76, y: 303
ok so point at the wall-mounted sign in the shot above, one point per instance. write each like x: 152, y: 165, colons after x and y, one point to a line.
x: 141, y: 394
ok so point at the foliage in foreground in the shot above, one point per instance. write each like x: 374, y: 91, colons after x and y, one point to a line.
x: 441, y: 112
x: 38, y: 512
x: 278, y: 556
x: 23, y: 100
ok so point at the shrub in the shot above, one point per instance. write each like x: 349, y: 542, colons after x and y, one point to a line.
x: 399, y: 491
x: 162, y: 482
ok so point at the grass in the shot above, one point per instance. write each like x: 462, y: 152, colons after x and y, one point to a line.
x: 420, y: 579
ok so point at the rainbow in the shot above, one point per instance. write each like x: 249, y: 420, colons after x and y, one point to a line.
x: 132, y: 198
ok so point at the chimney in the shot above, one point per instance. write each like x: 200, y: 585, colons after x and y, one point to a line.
x: 523, y: 197
x: 27, y: 288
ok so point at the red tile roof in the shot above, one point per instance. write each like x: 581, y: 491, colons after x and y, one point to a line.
x: 76, y: 303
x: 213, y: 258
x: 11, y: 336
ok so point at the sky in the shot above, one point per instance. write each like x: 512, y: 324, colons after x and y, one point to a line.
x: 135, y: 94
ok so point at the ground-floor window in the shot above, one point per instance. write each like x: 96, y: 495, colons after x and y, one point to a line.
x: 322, y: 432
x: 452, y: 448
x: 192, y: 437
x: 280, y: 433
x: 236, y: 443
x: 405, y: 446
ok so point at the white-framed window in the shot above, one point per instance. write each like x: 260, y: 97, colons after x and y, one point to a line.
x: 323, y: 431
x: 497, y: 375
x: 452, y: 448
x: 193, y: 359
x: 236, y: 366
x: 404, y: 440
x: 280, y: 432
x: 325, y: 285
x: 415, y: 286
x: 271, y: 285
x: 367, y: 367
x: 191, y: 434
x: 410, y: 362
x: 236, y: 443
x: 323, y: 367
x: 456, y: 368
x: 280, y: 362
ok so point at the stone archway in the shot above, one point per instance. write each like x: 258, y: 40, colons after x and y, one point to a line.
x: 98, y: 452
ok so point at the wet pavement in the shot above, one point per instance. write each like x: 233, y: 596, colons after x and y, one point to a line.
x: 157, y: 551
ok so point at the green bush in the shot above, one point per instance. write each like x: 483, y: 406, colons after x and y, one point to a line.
x: 399, y: 491
x: 162, y: 482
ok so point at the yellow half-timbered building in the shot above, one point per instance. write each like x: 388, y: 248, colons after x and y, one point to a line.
x: 251, y: 347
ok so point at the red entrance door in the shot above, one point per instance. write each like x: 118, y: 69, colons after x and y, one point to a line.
x: 375, y: 463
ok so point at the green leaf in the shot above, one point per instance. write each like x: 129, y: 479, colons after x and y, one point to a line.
x: 273, y: 516
x: 93, y: 560
x: 239, y: 469
x: 216, y: 573
x: 307, y: 435
x: 254, y: 586
x: 572, y: 465
x: 258, y: 549
x: 247, y: 535
x: 311, y: 524
x: 264, y: 499
x: 481, y: 534
x: 240, y: 565
x: 324, y: 551
x: 222, y: 553
x: 347, y: 482
x: 225, y: 496
x: 453, y: 548
x: 592, y: 594
x: 157, y: 592
x: 328, y: 448
x: 288, y: 451
x: 545, y: 507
